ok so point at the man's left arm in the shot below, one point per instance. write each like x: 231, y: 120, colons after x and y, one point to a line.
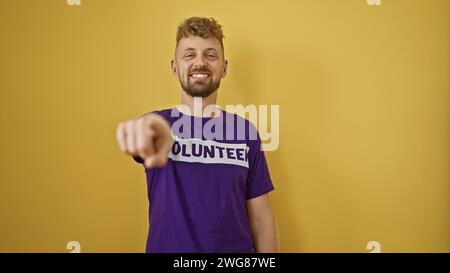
x: 263, y: 225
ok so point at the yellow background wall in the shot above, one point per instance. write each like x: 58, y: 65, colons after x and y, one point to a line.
x: 364, y: 105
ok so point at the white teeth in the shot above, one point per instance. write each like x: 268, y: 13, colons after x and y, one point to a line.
x: 199, y: 75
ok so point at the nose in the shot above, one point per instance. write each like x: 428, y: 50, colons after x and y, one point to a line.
x: 200, y: 61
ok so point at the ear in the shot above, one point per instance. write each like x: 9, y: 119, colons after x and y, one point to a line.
x: 224, y: 69
x: 174, y: 69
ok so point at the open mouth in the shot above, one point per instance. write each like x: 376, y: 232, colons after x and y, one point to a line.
x: 199, y: 75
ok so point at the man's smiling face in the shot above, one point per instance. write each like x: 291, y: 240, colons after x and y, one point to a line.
x: 199, y: 65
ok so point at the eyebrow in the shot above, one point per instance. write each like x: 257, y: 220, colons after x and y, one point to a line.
x: 193, y: 49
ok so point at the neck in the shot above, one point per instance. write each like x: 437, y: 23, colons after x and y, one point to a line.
x: 195, y: 106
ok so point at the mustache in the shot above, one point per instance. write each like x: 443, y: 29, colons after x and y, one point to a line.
x: 200, y: 69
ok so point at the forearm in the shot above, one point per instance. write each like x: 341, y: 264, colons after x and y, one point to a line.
x: 265, y: 235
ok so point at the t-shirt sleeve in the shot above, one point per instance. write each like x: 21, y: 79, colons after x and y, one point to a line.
x: 258, y: 179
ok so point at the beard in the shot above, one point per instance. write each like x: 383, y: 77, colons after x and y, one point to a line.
x: 200, y: 88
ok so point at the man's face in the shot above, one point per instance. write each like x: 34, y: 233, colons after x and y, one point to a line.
x: 199, y: 65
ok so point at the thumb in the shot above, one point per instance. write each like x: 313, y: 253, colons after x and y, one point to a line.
x: 155, y: 161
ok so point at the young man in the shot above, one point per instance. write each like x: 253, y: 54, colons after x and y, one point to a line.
x: 207, y: 176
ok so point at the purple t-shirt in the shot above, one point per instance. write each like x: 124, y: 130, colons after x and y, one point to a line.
x: 197, y: 202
